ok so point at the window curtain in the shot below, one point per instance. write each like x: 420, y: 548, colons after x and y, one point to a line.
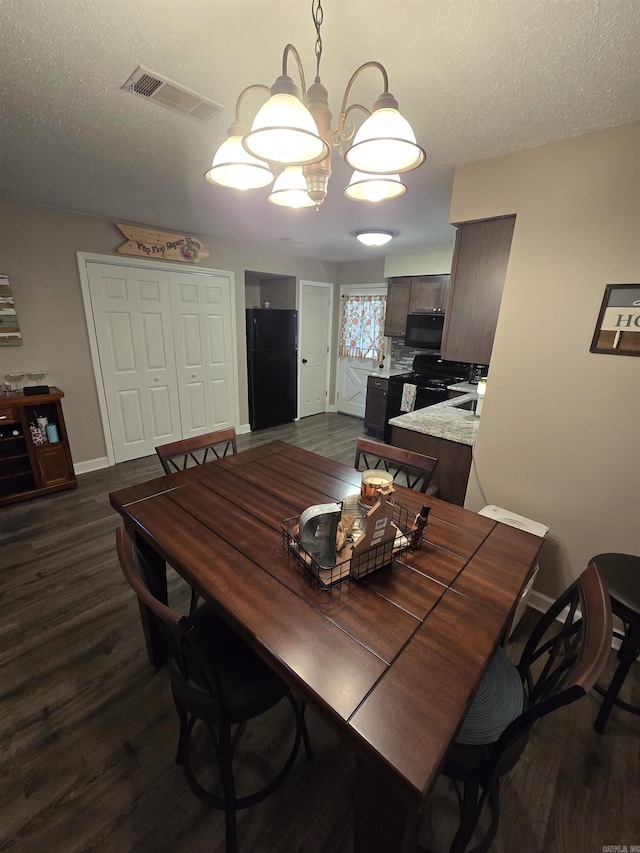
x: 361, y: 332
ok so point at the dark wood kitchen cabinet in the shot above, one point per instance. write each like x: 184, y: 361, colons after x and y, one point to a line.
x: 28, y: 469
x: 398, y: 295
x: 428, y: 293
x: 413, y: 295
x: 375, y: 415
x: 478, y: 271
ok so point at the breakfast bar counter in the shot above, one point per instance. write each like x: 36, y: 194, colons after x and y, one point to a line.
x: 446, y: 431
x: 447, y: 420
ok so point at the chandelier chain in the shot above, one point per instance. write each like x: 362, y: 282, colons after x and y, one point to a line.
x: 318, y: 16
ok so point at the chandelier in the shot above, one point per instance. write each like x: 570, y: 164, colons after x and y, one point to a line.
x: 296, y: 136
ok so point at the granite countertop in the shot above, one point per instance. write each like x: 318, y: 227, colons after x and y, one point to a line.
x: 465, y: 387
x: 444, y: 420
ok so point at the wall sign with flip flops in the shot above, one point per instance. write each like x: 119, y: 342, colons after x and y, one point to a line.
x: 9, y: 330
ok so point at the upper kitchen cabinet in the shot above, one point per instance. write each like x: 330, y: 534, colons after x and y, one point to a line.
x: 478, y: 271
x: 413, y: 295
x: 398, y: 295
x: 428, y: 293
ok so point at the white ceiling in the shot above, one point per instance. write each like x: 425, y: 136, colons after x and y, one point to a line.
x: 475, y: 78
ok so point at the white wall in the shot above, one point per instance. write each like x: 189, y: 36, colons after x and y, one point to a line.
x: 559, y: 437
x: 38, y: 248
x: 430, y: 262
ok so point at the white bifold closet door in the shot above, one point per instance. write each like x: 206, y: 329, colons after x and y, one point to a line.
x: 201, y: 312
x: 166, y: 356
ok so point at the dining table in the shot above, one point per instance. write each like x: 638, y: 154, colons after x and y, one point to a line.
x: 391, y: 660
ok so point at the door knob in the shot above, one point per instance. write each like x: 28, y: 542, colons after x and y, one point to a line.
x: 193, y: 375
x: 156, y: 378
x: 304, y: 360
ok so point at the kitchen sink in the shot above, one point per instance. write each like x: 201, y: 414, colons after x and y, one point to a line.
x: 469, y: 405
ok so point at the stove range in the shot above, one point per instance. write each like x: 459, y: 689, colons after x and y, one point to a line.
x: 431, y: 375
x: 426, y: 381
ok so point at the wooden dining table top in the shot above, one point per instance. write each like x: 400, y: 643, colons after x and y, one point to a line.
x: 392, y: 660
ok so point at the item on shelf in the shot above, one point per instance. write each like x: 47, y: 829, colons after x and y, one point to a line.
x: 33, y: 390
x: 37, y: 435
x: 37, y: 375
x: 51, y: 431
x: 15, y: 378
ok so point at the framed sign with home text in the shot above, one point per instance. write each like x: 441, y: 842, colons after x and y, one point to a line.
x: 618, y: 327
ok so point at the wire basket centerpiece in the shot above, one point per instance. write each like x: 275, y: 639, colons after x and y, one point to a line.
x: 334, y: 543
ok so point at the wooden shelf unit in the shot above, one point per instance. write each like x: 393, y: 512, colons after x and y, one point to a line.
x: 28, y: 470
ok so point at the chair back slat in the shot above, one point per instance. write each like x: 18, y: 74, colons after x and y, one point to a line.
x: 416, y: 468
x: 178, y: 455
x: 562, y: 658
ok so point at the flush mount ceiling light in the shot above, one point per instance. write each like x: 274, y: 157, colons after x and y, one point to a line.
x: 374, y: 237
x: 290, y: 132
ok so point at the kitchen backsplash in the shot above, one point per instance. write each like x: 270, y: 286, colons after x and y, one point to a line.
x: 402, y: 356
x: 402, y: 360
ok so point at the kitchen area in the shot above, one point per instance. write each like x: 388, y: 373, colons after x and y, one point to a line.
x: 442, y: 329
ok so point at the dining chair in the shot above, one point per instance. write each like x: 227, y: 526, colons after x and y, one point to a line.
x: 621, y: 576
x: 560, y: 663
x: 216, y: 679
x: 416, y: 468
x: 178, y: 455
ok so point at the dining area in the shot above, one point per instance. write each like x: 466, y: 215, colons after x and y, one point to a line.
x: 384, y: 668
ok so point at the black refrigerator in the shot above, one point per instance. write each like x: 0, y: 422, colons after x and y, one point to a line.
x: 272, y: 362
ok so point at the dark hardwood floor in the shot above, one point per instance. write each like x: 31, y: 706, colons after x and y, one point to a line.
x: 88, y: 730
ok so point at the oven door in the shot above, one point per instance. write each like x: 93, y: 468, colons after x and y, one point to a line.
x: 429, y: 396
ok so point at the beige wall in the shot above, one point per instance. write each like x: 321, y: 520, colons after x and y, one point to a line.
x: 559, y: 437
x: 430, y: 262
x: 38, y: 249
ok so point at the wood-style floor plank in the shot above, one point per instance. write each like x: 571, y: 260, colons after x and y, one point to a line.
x: 88, y: 730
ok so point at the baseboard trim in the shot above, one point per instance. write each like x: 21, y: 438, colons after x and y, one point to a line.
x: 90, y: 465
x: 539, y: 601
x: 244, y: 429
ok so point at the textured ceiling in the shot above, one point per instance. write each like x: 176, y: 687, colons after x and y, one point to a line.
x: 476, y: 79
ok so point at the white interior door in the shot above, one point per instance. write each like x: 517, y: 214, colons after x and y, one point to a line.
x: 201, y: 305
x: 314, y: 325
x: 132, y: 319
x: 352, y: 373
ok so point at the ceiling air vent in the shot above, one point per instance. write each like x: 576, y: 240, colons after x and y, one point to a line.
x: 151, y: 87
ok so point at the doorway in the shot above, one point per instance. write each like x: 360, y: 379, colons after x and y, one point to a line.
x: 352, y: 373
x: 314, y: 345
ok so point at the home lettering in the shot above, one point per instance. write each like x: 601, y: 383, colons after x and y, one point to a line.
x: 628, y: 320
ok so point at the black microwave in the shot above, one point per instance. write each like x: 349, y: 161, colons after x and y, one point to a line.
x: 424, y: 331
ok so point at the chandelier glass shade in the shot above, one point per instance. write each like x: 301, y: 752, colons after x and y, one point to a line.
x: 284, y: 131
x: 298, y: 135
x: 385, y: 144
x: 374, y: 188
x: 234, y: 167
x: 290, y: 189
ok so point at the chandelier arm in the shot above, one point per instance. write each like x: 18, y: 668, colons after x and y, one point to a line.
x: 252, y: 88
x: 347, y: 131
x: 339, y: 133
x: 289, y: 48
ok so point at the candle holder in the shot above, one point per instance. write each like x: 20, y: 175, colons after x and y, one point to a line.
x: 374, y: 483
